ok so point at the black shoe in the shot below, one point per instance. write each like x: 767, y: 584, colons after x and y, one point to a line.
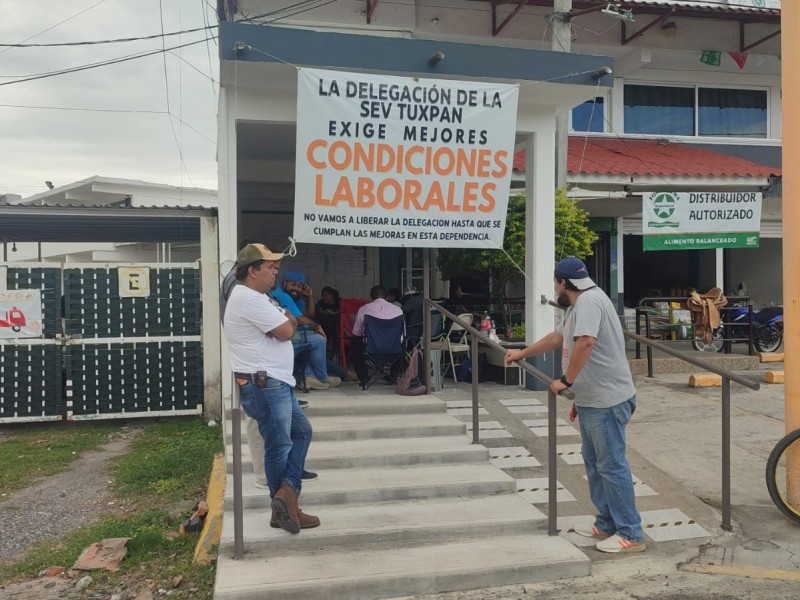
x: 309, y: 475
x: 302, y: 403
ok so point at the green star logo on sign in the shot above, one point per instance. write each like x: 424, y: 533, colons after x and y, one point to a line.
x: 664, y: 205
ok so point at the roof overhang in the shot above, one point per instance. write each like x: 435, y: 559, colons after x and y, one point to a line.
x: 72, y: 224
x: 263, y: 57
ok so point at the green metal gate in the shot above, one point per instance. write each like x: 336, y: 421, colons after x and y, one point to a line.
x: 110, y: 356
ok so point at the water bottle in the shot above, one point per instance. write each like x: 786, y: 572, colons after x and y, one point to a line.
x: 486, y: 322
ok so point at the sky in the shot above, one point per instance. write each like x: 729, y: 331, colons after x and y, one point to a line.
x: 64, y: 146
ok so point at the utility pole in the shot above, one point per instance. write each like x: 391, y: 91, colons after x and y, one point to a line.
x: 790, y: 80
x: 561, y: 41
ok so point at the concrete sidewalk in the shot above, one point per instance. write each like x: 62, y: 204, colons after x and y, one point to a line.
x: 674, y: 444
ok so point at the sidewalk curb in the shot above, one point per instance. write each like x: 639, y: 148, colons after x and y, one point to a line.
x: 212, y: 528
x: 751, y: 572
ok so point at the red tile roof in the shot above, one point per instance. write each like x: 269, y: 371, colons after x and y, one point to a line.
x: 614, y: 156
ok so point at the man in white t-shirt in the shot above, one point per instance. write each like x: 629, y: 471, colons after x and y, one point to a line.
x: 259, y: 335
x: 596, y: 368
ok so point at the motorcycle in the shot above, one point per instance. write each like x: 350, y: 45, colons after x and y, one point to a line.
x: 767, y: 330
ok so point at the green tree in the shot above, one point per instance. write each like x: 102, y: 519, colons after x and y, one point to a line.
x: 572, y: 238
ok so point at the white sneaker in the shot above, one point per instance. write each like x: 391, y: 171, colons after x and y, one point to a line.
x: 261, y: 486
x: 334, y: 381
x: 313, y: 383
x: 617, y: 545
x: 589, y: 531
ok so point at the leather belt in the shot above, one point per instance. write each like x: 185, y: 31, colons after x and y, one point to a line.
x: 248, y: 376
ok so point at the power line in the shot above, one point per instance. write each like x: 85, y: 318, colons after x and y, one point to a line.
x: 100, y: 64
x: 59, y: 23
x: 76, y: 108
x: 111, y: 41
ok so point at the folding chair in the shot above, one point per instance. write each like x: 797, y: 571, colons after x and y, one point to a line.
x: 383, y: 348
x: 455, y: 342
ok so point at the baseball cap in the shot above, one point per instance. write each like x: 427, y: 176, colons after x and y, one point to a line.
x: 295, y: 276
x: 574, y: 269
x: 409, y: 290
x: 255, y: 252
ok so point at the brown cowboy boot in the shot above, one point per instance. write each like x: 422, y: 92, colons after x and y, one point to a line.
x: 284, y: 509
x: 306, y: 521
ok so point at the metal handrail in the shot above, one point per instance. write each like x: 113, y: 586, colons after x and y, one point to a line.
x: 236, y: 441
x: 727, y: 377
x: 552, y: 467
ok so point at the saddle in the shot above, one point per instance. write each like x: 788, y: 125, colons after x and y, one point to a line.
x: 705, y: 312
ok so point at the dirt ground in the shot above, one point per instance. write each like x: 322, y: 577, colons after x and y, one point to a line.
x: 53, y: 506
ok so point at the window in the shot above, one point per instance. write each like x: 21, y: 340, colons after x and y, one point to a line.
x: 690, y: 111
x: 727, y: 112
x: 660, y: 110
x: 589, y: 116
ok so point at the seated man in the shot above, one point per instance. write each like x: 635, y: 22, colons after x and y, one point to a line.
x: 379, y: 308
x: 291, y: 296
x: 412, y: 311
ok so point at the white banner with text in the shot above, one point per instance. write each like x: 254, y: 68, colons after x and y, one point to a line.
x: 401, y: 161
x: 698, y: 220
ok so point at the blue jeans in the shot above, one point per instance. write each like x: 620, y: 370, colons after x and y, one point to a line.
x: 285, y: 428
x: 317, y: 354
x: 610, y: 479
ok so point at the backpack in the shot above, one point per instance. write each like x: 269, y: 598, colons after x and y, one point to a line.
x: 409, y: 383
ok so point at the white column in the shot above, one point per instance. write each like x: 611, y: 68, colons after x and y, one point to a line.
x: 719, y: 269
x: 211, y: 329
x: 228, y: 206
x: 539, y: 226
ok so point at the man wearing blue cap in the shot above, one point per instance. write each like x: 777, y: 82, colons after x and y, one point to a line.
x: 296, y: 296
x: 596, y: 368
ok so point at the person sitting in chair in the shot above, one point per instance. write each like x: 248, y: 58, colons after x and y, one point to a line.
x: 379, y: 308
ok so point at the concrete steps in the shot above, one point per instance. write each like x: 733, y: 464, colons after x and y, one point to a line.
x: 361, y: 427
x: 423, y: 520
x: 384, y: 484
x: 400, y: 571
x: 398, y: 452
x: 408, y: 506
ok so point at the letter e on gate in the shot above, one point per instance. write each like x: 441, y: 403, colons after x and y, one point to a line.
x: 134, y: 282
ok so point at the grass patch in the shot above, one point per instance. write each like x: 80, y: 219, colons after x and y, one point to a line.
x: 35, y: 453
x: 167, y: 463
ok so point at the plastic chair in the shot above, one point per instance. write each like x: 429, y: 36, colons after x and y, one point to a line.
x: 455, y: 342
x: 383, y: 348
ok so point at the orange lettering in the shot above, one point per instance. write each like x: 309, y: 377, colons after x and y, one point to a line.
x: 310, y: 153
x: 343, y: 193
x: 366, y: 197
x: 414, y: 150
x: 435, y: 197
x: 501, y: 160
x: 398, y: 193
x: 337, y: 164
x: 484, y: 162
x: 488, y: 195
x: 470, y: 196
x: 451, y: 197
x: 412, y: 190
x: 318, y: 199
x: 437, y: 161
x: 385, y: 158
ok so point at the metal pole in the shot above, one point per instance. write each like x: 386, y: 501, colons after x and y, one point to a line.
x: 474, y: 359
x: 552, y: 466
x: 726, y: 454
x: 238, y: 509
x: 649, y: 347
x: 426, y: 317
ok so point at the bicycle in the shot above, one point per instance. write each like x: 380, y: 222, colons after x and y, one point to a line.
x: 776, y: 473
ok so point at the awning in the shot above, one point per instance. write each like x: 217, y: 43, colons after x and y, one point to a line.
x: 26, y: 223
